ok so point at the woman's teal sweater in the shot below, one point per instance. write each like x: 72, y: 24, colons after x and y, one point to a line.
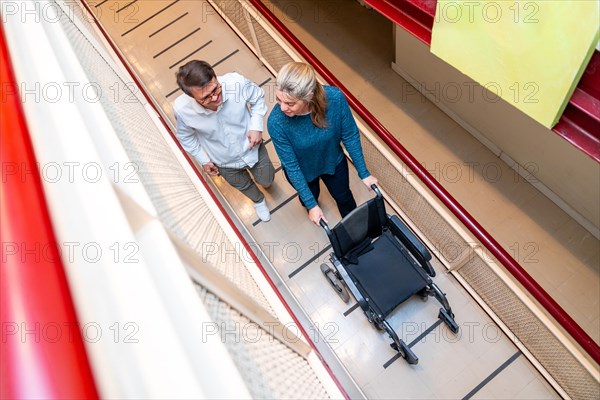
x: 307, y: 151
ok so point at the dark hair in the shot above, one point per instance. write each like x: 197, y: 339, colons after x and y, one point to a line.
x: 194, y: 74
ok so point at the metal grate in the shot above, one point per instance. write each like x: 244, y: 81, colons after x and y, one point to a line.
x: 267, y: 47
x: 270, y: 369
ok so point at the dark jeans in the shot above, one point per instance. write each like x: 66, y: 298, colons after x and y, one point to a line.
x: 338, y: 186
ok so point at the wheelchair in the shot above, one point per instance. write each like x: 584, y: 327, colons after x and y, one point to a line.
x: 382, y: 263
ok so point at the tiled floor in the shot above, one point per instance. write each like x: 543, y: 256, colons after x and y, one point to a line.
x: 356, y: 43
x: 480, y: 361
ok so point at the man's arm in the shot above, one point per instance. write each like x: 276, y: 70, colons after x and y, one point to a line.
x: 190, y: 142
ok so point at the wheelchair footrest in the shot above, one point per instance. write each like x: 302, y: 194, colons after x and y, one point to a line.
x: 448, y: 320
x: 406, y: 352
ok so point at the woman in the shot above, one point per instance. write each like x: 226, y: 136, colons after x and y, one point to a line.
x: 307, y: 126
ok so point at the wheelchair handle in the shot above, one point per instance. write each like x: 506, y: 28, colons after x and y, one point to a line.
x: 324, y: 225
x: 376, y: 190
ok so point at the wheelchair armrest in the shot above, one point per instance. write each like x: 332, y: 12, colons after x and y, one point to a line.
x: 414, y: 245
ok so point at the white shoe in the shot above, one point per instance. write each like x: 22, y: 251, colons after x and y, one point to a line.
x: 263, y: 211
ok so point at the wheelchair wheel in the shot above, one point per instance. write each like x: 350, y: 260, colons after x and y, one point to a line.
x: 423, y: 294
x: 335, y: 283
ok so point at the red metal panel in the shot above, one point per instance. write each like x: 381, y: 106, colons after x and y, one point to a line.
x: 42, y: 352
x: 415, y: 16
x: 564, y: 319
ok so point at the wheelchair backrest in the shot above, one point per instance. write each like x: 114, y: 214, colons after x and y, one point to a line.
x: 367, y: 220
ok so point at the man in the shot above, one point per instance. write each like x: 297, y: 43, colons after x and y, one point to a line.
x: 220, y: 123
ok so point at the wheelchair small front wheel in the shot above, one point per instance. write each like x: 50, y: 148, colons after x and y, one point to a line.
x: 336, y: 284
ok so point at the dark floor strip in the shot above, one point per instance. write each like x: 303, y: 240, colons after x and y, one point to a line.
x: 348, y: 311
x: 177, y: 42
x: 191, y: 54
x: 172, y: 93
x: 391, y: 360
x: 265, y: 82
x: 277, y: 208
x: 99, y: 4
x: 313, y: 258
x: 168, y: 25
x: 266, y: 142
x: 125, y: 6
x: 225, y: 58
x: 149, y: 18
x: 425, y: 333
x: 492, y: 375
x: 421, y: 336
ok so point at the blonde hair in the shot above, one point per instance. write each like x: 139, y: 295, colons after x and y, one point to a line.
x: 299, y: 81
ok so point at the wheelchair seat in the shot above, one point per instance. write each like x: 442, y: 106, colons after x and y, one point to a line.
x: 382, y: 263
x: 374, y: 275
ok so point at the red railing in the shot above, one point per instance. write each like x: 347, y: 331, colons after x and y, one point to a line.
x: 580, y: 122
x: 43, y: 355
x: 481, y: 234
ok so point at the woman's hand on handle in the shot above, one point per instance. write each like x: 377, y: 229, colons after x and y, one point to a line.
x: 315, y: 214
x: 370, y: 180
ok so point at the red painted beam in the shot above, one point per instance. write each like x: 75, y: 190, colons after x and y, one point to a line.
x: 42, y: 352
x: 415, y: 16
x: 564, y: 319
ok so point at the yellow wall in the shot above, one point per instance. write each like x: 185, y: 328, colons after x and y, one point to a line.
x: 531, y: 53
x: 564, y: 173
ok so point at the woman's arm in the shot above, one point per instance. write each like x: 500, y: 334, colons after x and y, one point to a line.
x: 351, y: 140
x: 351, y: 137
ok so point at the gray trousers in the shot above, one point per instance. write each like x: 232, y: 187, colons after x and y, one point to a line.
x: 240, y: 178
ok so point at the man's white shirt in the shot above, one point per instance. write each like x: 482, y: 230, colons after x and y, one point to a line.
x: 221, y: 136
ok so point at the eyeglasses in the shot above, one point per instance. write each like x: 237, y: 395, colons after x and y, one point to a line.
x: 212, y: 93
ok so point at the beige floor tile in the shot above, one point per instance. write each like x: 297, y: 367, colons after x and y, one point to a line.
x: 533, y: 390
x: 405, y: 385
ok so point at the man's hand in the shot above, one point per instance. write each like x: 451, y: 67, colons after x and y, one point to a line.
x: 370, y: 180
x: 210, y: 168
x: 254, y: 137
x: 315, y: 214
